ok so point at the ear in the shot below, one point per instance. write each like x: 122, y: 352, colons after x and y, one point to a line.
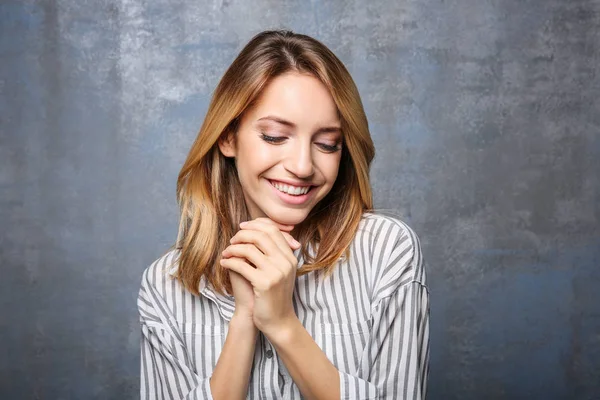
x: 227, y: 144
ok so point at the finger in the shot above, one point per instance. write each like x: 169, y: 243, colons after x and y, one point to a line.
x: 260, y: 239
x: 281, y: 227
x: 270, y: 228
x: 242, y: 267
x: 276, y: 236
x: 294, y: 244
x: 248, y: 251
x: 265, y: 244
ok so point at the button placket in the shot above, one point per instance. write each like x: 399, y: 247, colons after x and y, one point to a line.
x: 269, y: 368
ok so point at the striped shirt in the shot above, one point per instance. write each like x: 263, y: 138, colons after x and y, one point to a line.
x: 370, y: 317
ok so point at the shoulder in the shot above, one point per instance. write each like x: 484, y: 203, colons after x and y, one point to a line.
x: 387, y: 233
x: 377, y: 223
x: 393, y: 251
x: 160, y: 271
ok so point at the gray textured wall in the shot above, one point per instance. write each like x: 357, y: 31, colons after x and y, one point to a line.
x: 486, y: 116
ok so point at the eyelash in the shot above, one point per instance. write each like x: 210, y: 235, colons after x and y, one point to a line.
x: 278, y: 139
x: 272, y: 139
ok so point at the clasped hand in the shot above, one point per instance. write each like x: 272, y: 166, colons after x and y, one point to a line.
x: 262, y: 269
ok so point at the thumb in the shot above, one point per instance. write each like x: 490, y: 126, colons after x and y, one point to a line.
x: 294, y: 244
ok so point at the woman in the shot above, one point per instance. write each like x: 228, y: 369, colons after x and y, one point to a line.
x: 282, y: 284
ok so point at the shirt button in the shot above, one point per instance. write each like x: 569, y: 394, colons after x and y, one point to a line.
x: 269, y: 353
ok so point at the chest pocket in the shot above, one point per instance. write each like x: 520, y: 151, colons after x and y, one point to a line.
x: 204, y: 344
x: 204, y: 332
x: 343, y: 343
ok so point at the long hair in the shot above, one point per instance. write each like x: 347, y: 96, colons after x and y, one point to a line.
x: 209, y: 193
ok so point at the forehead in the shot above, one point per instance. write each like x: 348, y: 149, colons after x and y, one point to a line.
x: 299, y: 98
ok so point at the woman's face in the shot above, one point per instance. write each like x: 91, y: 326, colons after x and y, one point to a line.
x: 287, y: 148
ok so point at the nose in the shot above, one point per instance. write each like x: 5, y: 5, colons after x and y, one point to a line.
x: 299, y: 161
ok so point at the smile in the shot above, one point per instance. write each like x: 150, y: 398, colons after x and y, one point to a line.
x: 289, y: 189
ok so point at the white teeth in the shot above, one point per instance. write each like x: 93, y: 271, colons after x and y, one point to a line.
x: 293, y: 190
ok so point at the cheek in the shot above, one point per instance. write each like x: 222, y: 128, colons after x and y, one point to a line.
x: 254, y: 162
x: 251, y: 157
x: 259, y: 152
x: 263, y: 153
x: 331, y: 166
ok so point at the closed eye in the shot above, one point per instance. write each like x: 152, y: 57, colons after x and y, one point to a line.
x: 329, y: 148
x: 272, y: 139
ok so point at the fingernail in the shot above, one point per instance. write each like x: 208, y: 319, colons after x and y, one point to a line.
x: 242, y: 224
x: 297, y: 243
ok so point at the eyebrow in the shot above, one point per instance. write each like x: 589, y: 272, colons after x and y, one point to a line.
x: 325, y: 129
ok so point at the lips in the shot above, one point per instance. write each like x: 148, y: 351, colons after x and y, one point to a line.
x: 293, y: 199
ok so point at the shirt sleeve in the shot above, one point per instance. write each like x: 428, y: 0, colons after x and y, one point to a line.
x: 395, y: 361
x: 166, y: 369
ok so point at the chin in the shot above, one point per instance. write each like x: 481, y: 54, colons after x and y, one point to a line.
x: 289, y: 217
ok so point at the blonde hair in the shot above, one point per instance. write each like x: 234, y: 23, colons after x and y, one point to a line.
x: 209, y: 193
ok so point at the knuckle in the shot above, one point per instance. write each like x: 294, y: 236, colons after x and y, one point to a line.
x: 256, y: 252
x: 280, y: 275
x: 262, y: 236
x: 273, y: 282
x: 268, y: 284
x: 271, y: 228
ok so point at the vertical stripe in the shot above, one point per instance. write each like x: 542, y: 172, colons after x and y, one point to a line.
x: 145, y: 384
x: 175, y: 376
x: 364, y: 260
x: 335, y: 299
x: 350, y: 307
x: 211, y: 354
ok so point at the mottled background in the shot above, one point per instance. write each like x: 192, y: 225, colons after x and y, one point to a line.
x: 486, y: 116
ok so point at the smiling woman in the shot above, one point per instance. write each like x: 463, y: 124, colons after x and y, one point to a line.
x: 283, y: 282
